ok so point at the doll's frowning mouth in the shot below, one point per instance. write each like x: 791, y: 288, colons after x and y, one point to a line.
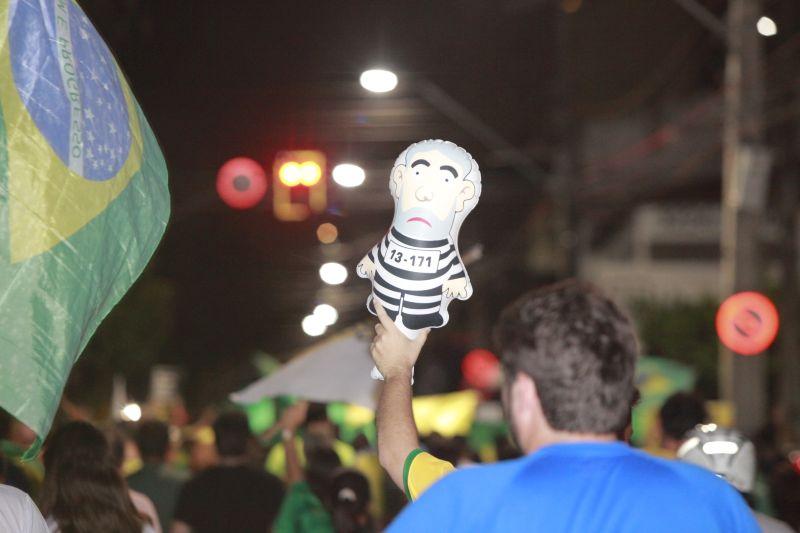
x: 419, y: 219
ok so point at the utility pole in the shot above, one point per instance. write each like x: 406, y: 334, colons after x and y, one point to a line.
x: 744, y: 175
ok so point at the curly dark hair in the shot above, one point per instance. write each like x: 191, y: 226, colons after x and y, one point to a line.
x: 579, y: 348
x: 83, y: 490
x: 680, y: 413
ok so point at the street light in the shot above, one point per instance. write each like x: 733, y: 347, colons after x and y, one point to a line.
x: 327, y: 314
x: 313, y: 326
x: 378, y: 80
x: 766, y: 27
x: 348, y: 175
x: 327, y: 233
x: 333, y: 273
x: 131, y: 412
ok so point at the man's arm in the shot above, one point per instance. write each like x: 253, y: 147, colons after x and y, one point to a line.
x: 293, y: 417
x: 395, y: 355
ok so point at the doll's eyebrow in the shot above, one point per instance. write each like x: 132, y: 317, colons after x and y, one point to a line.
x: 450, y: 169
x: 420, y: 162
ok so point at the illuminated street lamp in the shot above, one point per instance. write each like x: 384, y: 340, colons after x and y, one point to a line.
x: 378, y: 80
x: 348, y: 175
x: 767, y: 27
x: 131, y: 412
x: 333, y: 273
x: 327, y: 233
x: 327, y: 314
x: 313, y: 326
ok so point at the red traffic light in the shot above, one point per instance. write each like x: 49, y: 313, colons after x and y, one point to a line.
x: 241, y: 183
x: 747, y: 323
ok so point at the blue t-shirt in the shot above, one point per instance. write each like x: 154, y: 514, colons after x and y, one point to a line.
x: 580, y: 487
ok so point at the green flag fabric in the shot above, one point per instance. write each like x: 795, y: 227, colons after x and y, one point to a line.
x: 83, y: 197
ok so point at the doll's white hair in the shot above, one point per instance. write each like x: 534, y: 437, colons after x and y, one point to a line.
x: 449, y: 149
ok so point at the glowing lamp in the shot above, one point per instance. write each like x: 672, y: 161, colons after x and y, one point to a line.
x: 326, y: 314
x: 378, y: 80
x: 293, y: 168
x: 747, y: 323
x: 481, y: 369
x: 310, y: 173
x: 767, y: 27
x: 290, y: 174
x: 313, y: 326
x: 327, y: 233
x: 241, y: 183
x: 132, y: 412
x: 333, y: 273
x: 348, y: 175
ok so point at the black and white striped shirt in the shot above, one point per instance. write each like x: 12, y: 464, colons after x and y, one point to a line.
x: 410, y: 273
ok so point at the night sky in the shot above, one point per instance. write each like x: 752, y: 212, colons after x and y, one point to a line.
x: 244, y: 78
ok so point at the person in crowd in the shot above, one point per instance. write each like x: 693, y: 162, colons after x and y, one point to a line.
x: 231, y: 496
x: 680, y: 413
x: 303, y: 511
x: 785, y: 483
x: 144, y: 505
x: 568, y: 356
x: 83, y: 491
x: 13, y: 476
x: 15, y: 439
x: 350, y: 500
x: 18, y: 513
x: 727, y: 453
x: 156, y: 479
x: 319, y: 431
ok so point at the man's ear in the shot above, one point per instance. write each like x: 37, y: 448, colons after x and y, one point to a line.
x: 398, y: 173
x: 523, y: 395
x: 466, y: 194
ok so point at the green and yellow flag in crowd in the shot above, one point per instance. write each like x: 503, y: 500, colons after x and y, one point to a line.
x: 83, y: 197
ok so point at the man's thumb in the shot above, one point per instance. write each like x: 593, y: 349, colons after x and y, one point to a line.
x: 422, y: 337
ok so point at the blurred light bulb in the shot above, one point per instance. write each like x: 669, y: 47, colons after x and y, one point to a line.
x: 766, y: 27
x: 378, y: 80
x: 327, y: 233
x: 313, y: 326
x: 333, y: 273
x: 290, y: 174
x: 131, y: 412
x: 348, y: 175
x: 310, y: 173
x: 327, y: 314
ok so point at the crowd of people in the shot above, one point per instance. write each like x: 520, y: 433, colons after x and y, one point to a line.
x: 568, y: 355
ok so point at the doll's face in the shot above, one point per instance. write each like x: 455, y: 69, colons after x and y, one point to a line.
x: 431, y: 189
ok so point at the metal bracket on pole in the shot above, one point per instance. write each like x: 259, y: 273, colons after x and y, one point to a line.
x: 705, y: 17
x: 488, y: 136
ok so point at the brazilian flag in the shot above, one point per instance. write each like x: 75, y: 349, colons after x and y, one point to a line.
x: 83, y: 197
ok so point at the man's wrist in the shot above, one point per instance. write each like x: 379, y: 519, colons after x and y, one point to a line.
x: 394, y: 373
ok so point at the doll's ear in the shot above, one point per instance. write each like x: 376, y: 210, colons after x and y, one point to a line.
x: 466, y: 194
x: 398, y: 173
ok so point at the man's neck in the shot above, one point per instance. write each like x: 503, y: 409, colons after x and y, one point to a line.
x: 551, y: 437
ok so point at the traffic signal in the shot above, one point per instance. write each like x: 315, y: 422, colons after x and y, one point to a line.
x: 300, y: 187
x: 241, y: 183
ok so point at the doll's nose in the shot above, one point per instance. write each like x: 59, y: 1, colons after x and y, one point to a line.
x: 424, y: 194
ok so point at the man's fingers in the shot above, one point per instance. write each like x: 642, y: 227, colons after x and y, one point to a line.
x: 382, y: 316
x: 422, y: 337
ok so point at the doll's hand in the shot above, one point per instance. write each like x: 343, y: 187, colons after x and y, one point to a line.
x: 455, y: 288
x: 366, y: 268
